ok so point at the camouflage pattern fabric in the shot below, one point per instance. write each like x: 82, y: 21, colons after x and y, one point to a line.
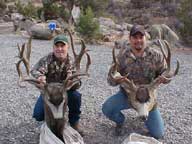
x: 52, y: 68
x: 142, y: 70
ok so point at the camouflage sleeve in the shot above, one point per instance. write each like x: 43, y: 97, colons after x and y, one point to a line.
x: 40, y: 68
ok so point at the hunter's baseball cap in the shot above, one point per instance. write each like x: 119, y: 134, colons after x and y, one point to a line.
x: 137, y: 29
x: 61, y: 38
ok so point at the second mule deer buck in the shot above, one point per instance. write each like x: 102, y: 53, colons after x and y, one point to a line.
x: 143, y: 97
x: 55, y: 94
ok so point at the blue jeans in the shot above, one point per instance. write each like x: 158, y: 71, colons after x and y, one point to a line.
x: 113, y: 106
x: 74, y: 104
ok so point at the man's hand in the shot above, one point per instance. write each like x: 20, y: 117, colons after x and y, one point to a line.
x: 120, y: 79
x: 42, y: 81
x: 163, y: 79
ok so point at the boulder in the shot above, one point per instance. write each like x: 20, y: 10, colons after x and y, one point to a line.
x: 41, y: 31
x: 16, y: 16
x: 164, y: 32
x: 106, y: 22
x: 6, y: 27
x: 135, y: 138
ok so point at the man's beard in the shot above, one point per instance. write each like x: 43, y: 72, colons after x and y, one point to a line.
x: 138, y: 47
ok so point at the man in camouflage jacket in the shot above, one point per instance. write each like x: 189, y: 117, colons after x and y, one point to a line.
x: 56, y: 67
x: 143, y: 64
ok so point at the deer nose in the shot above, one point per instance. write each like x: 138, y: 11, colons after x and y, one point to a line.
x: 143, y: 118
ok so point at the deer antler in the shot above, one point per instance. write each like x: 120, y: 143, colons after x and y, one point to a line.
x: 116, y: 76
x: 72, y: 43
x: 24, y: 56
x: 79, y: 56
x: 71, y: 80
x: 168, y: 75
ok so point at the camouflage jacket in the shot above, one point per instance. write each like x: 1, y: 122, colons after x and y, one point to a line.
x: 52, y: 68
x: 142, y: 70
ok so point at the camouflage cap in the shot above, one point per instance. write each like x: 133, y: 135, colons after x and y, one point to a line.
x: 137, y: 29
x: 61, y: 38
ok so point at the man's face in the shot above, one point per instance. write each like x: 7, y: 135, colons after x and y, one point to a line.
x: 60, y: 50
x: 138, y: 42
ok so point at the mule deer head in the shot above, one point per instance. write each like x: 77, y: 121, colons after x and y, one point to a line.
x: 55, y: 94
x: 55, y: 102
x: 143, y: 97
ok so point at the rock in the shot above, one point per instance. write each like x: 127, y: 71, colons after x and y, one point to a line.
x: 121, y: 44
x: 129, y: 26
x: 1, y: 20
x: 41, y: 31
x: 6, y: 27
x: 6, y: 18
x: 135, y: 138
x: 162, y: 31
x: 112, y: 36
x: 16, y: 16
x: 25, y: 24
x: 106, y: 22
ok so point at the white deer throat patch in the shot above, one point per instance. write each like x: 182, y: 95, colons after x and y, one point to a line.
x: 56, y: 111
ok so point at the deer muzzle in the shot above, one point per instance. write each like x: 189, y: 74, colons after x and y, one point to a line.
x: 143, y: 111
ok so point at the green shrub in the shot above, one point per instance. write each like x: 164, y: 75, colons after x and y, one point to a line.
x: 28, y: 10
x: 87, y: 26
x: 98, y: 6
x: 51, y: 11
x: 185, y: 16
x: 63, y: 13
x: 2, y: 4
x: 55, y: 10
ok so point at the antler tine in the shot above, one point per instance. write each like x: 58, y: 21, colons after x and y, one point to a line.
x: 28, y: 52
x: 22, y: 50
x: 19, y: 71
x: 78, y: 58
x: 24, y: 56
x: 32, y: 81
x: 72, y: 43
x: 168, y: 60
x: 27, y: 65
x: 88, y: 62
x: 74, y: 76
x: 167, y: 74
x: 65, y: 82
x: 177, y: 68
x: 168, y: 52
x: 113, y: 70
x: 18, y: 64
x: 19, y: 49
x: 81, y: 53
x: 18, y: 67
x: 114, y: 57
x: 168, y: 57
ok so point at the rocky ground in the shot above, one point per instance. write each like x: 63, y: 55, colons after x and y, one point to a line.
x: 16, y: 104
